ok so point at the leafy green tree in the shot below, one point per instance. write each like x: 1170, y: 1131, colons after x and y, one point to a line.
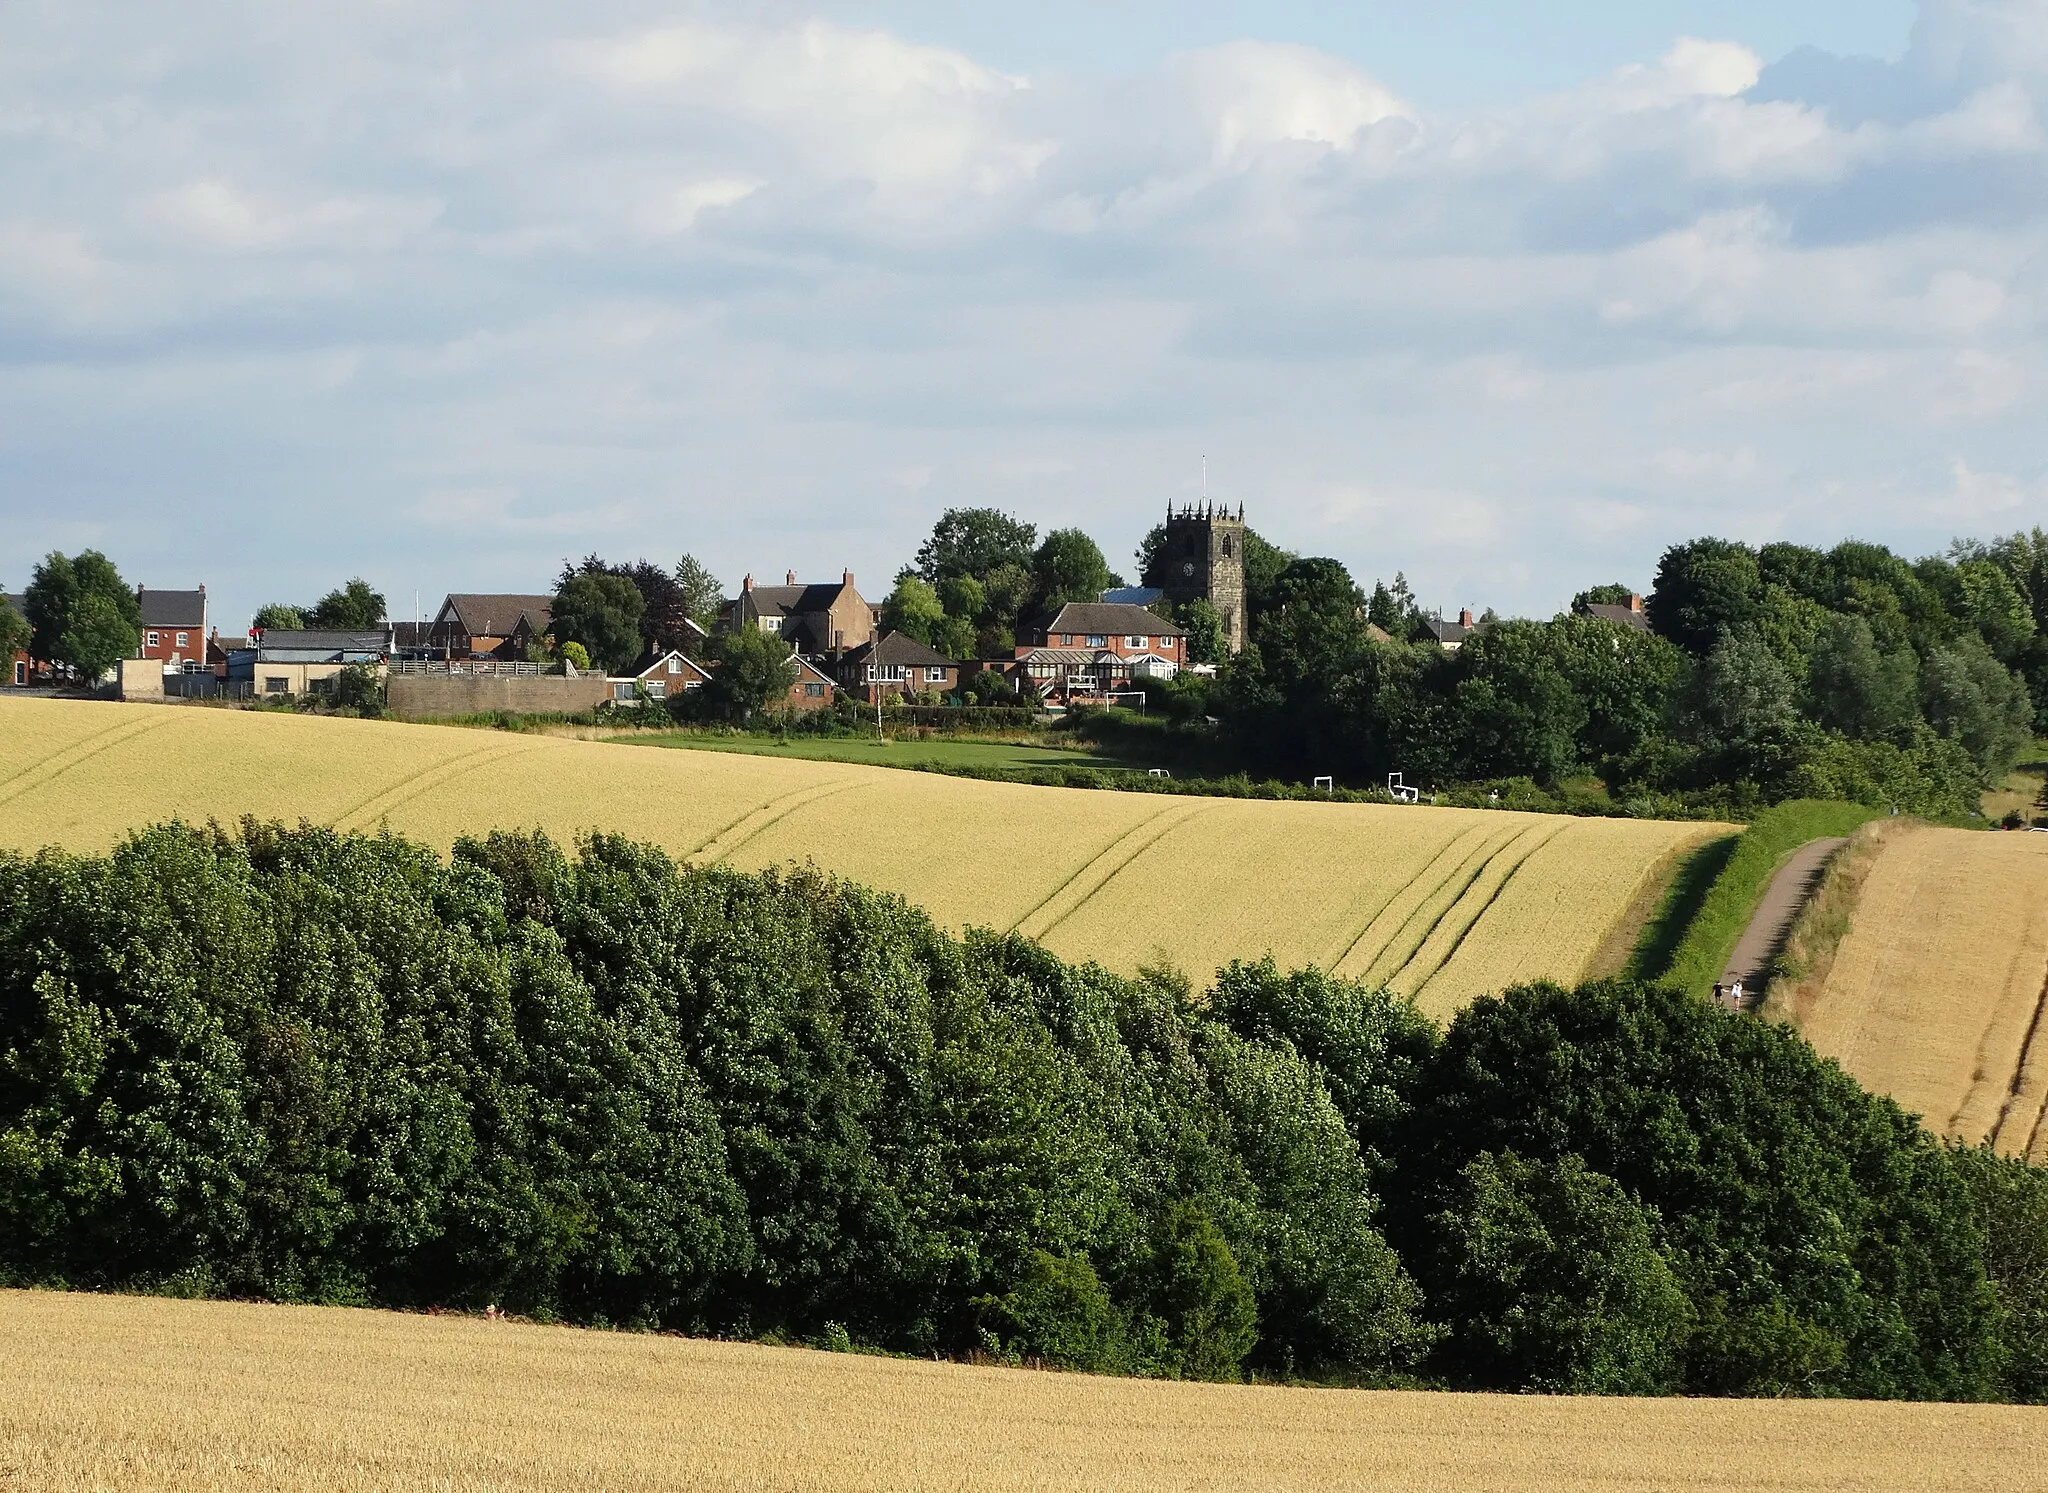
x: 1990, y: 600
x: 276, y: 616
x: 963, y: 596
x: 1552, y: 1280
x: 350, y: 608
x: 913, y: 609
x: 1516, y: 713
x: 750, y: 668
x: 1854, y: 689
x: 15, y: 633
x: 1973, y: 699
x: 360, y: 687
x: 602, y: 612
x: 1200, y: 1296
x: 576, y: 655
x: 1067, y: 566
x: 698, y: 591
x: 1613, y: 594
x: 1623, y: 679
x: 2011, y: 1201
x: 1206, y: 642
x: 667, y: 598
x: 975, y: 542
x: 1060, y: 1312
x: 82, y: 614
x: 1392, y: 609
x: 1704, y: 589
x: 1738, y: 708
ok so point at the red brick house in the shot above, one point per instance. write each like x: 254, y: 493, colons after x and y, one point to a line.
x: 896, y: 665
x: 489, y: 624
x: 173, y: 627
x: 815, y: 618
x: 1091, y: 648
x: 660, y: 676
x: 813, y: 688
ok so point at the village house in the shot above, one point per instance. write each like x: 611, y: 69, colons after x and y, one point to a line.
x: 283, y: 663
x: 1450, y: 636
x: 1629, y: 614
x: 1093, y: 648
x: 812, y: 689
x: 173, y: 628
x: 488, y: 625
x: 895, y: 665
x: 816, y: 618
x: 660, y: 676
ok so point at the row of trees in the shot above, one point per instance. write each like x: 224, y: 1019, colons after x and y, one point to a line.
x: 1781, y: 672
x: 983, y: 573
x: 604, y: 1088
x: 351, y: 607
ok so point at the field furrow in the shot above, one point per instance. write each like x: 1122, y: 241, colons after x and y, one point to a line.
x: 1120, y: 878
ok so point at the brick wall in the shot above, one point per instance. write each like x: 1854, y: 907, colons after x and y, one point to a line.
x: 429, y: 696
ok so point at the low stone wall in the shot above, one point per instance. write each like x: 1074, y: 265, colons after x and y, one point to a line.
x: 426, y: 697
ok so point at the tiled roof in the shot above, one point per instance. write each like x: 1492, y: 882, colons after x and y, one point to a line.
x: 172, y: 608
x: 1105, y: 617
x: 1623, y: 616
x: 895, y: 648
x: 790, y: 600
x: 497, y: 614
x: 655, y: 663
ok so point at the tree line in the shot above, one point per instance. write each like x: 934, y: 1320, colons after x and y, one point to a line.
x: 600, y: 1087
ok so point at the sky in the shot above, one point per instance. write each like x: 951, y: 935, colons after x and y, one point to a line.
x: 1507, y: 298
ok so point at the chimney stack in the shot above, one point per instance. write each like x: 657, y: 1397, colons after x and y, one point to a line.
x: 1635, y: 602
x: 748, y: 583
x: 789, y: 578
x: 849, y: 579
x: 1465, y: 617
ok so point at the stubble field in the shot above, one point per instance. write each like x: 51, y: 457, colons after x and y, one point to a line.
x: 1442, y: 904
x: 100, y: 1392
x: 1937, y: 990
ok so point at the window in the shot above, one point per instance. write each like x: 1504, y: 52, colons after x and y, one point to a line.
x: 771, y: 624
x: 20, y: 672
x: 622, y: 691
x: 1134, y: 641
x: 656, y: 688
x: 675, y: 666
x: 276, y: 684
x: 1227, y: 542
x: 184, y: 640
x: 934, y: 675
x: 871, y: 674
x: 814, y: 691
x: 1097, y: 640
x: 155, y: 638
x: 1066, y: 640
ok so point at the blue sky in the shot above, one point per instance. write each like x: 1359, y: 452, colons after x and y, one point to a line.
x: 1505, y: 297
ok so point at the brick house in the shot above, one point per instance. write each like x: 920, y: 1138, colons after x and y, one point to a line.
x: 489, y: 624
x: 173, y: 627
x: 812, y: 689
x: 895, y: 665
x: 1630, y: 614
x: 1091, y: 648
x: 816, y: 618
x: 660, y: 676
x: 1450, y: 636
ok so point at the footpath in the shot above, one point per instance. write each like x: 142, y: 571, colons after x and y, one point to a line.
x: 1764, y: 939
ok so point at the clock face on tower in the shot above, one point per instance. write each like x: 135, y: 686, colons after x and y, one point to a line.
x: 1187, y: 567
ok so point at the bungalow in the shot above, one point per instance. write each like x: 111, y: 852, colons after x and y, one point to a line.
x: 282, y: 662
x: 173, y: 628
x: 896, y: 665
x: 659, y: 676
x: 815, y: 618
x: 489, y: 625
x: 812, y: 689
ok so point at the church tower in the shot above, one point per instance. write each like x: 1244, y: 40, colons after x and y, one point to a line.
x: 1204, y: 556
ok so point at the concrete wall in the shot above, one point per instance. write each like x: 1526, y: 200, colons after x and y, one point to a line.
x: 425, y: 696
x: 141, y: 679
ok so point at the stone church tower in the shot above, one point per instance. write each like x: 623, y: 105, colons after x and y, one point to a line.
x: 1204, y: 556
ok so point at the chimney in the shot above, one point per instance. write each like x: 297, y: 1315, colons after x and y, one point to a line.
x: 789, y: 578
x: 848, y: 576
x: 1635, y: 602
x: 1464, y: 616
x: 748, y: 583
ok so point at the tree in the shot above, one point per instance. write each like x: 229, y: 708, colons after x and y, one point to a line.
x: 1200, y: 1295
x: 665, y: 612
x: 1971, y: 698
x: 913, y: 609
x: 751, y: 667
x: 1206, y: 643
x: 276, y: 616
x: 2011, y: 1201
x: 82, y: 614
x: 1067, y: 567
x: 1392, y: 608
x: 602, y: 612
x: 576, y: 656
x: 1856, y: 690
x: 1061, y: 1313
x: 964, y: 597
x: 974, y: 541
x: 1613, y: 594
x: 1552, y: 1280
x: 350, y: 608
x: 1737, y: 707
x: 1517, y: 714
x: 15, y: 633
x: 1704, y: 589
x: 699, y: 591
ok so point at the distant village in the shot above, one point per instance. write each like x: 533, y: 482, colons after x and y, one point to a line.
x: 496, y: 650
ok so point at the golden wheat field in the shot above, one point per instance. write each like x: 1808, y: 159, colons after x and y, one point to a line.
x: 1936, y: 992
x: 104, y: 1392
x: 1444, y: 904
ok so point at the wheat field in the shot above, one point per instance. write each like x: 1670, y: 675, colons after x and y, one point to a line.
x: 1936, y: 992
x: 115, y: 1393
x: 1444, y: 904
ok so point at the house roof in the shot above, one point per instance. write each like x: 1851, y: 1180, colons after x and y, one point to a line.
x: 1132, y: 596
x: 1448, y: 632
x: 805, y: 666
x: 172, y: 608
x: 1071, y: 658
x: 657, y: 663
x: 1623, y: 616
x: 16, y: 600
x: 789, y: 601
x: 895, y: 648
x: 314, y: 646
x: 496, y: 614
x: 1106, y: 617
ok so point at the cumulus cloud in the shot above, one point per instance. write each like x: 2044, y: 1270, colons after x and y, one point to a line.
x: 443, y: 292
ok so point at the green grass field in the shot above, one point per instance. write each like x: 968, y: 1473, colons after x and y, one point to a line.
x: 869, y: 752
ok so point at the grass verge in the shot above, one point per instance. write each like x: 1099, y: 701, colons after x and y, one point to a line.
x: 1818, y: 931
x: 1713, y: 898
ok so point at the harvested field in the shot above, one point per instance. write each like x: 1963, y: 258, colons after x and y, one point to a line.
x: 1935, y: 994
x: 107, y: 1392
x: 1444, y: 904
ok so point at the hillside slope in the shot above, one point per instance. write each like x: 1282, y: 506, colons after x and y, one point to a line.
x: 125, y: 1392
x: 1443, y: 904
x: 1936, y: 992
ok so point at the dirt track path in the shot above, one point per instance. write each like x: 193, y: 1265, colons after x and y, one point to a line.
x: 1787, y: 893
